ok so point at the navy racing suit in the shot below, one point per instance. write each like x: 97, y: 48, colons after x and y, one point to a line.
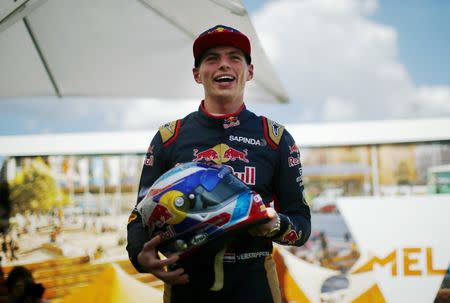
x: 264, y: 156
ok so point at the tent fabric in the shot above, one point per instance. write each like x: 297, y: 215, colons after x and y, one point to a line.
x: 300, y: 281
x: 363, y: 288
x: 113, y: 285
x: 115, y: 48
x: 372, y: 295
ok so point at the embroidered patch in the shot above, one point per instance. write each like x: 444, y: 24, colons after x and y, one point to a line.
x: 293, y: 149
x: 273, y: 132
x: 149, y: 161
x: 290, y: 236
x: 132, y: 217
x: 169, y: 131
x: 293, y: 161
x: 230, y: 122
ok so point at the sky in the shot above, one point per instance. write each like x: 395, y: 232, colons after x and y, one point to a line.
x: 346, y: 60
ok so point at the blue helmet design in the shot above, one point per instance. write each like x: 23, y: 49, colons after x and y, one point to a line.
x: 194, y: 204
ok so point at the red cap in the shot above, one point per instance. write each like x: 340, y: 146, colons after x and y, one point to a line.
x: 221, y: 35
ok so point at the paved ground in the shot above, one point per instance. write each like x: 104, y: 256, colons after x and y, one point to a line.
x: 77, y: 238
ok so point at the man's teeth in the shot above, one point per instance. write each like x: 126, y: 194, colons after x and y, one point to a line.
x: 224, y: 78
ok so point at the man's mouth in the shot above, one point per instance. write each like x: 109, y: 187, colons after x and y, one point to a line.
x: 224, y: 78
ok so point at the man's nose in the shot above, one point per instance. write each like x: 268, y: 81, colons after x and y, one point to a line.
x: 224, y: 63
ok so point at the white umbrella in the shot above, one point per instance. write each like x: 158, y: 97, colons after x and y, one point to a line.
x: 117, y: 48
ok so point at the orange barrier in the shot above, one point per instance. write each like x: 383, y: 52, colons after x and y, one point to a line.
x: 43, y: 273
x: 63, y: 275
x: 51, y: 263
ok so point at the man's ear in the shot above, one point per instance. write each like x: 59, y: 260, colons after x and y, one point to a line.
x: 196, y: 74
x: 249, y: 72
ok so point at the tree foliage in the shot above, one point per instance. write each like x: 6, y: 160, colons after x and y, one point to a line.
x: 35, y: 189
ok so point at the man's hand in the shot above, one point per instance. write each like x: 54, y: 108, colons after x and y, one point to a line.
x: 263, y: 230
x: 149, y: 260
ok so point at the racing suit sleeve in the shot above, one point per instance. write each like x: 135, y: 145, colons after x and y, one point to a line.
x: 154, y: 166
x: 290, y: 203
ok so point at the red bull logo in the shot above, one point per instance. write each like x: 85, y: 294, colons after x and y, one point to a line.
x: 293, y: 149
x: 221, y: 153
x: 291, y: 237
x: 207, y: 155
x: 233, y: 154
x: 160, y: 215
x: 230, y: 122
x: 149, y: 161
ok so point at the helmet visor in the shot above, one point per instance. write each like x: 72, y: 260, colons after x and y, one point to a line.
x: 218, y: 196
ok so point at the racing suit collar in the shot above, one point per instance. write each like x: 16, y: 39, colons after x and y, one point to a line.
x: 235, y: 114
x: 222, y: 121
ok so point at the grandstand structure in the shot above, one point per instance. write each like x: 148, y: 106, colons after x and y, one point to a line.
x: 101, y: 170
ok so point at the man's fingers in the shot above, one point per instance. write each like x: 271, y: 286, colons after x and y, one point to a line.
x: 271, y: 212
x: 169, y: 261
x: 151, y: 245
x: 158, y: 264
x: 152, y: 263
x: 173, y: 277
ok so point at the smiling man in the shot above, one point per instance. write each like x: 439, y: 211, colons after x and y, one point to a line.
x: 258, y: 150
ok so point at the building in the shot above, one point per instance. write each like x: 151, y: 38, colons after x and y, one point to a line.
x: 101, y: 171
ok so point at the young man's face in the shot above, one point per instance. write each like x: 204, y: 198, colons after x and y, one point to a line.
x: 223, y: 73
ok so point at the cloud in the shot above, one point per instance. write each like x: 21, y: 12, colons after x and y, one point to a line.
x: 337, y: 64
x: 432, y: 100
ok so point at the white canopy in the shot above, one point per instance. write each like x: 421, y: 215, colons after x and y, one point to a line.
x: 116, y: 48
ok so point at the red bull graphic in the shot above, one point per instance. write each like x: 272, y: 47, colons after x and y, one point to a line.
x: 207, y: 155
x: 149, y: 161
x: 291, y: 237
x: 221, y: 153
x: 293, y: 149
x: 160, y: 215
x: 230, y: 122
x: 233, y: 155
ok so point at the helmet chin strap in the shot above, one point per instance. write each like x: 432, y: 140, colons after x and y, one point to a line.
x: 218, y: 270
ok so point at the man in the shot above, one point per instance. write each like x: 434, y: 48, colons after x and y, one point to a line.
x: 259, y: 151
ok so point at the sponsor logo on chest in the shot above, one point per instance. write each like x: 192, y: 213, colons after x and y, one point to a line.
x: 251, y: 141
x: 221, y: 154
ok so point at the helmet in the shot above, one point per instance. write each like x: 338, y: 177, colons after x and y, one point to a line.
x: 195, y: 204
